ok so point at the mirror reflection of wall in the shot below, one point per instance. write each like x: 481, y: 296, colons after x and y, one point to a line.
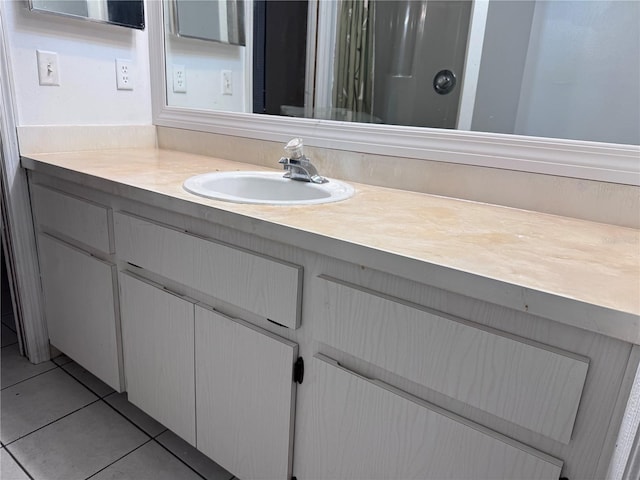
x: 203, y: 74
x: 126, y: 13
x: 566, y: 69
x: 214, y: 20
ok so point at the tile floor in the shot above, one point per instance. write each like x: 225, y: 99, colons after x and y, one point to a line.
x: 60, y: 422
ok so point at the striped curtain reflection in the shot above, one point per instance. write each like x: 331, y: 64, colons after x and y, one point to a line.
x: 353, y: 83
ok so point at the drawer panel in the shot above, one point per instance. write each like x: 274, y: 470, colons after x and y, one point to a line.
x: 356, y: 428
x: 530, y: 384
x: 266, y: 286
x: 78, y: 219
x: 80, y: 308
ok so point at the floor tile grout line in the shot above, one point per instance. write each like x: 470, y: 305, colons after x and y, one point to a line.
x: 151, y: 438
x: 120, y: 458
x: 60, y: 364
x: 181, y: 460
x: 124, y: 416
x: 33, y: 376
x: 99, y: 399
x: 165, y: 430
x: 82, y: 383
x: 147, y: 434
x: 18, y: 463
x: 52, y: 422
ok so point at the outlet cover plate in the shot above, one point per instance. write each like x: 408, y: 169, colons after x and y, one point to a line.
x: 124, y: 74
x: 179, y: 79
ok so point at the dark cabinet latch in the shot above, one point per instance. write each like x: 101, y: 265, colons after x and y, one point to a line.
x: 298, y: 370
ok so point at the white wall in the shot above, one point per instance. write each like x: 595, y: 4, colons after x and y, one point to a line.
x: 582, y: 72
x: 87, y: 94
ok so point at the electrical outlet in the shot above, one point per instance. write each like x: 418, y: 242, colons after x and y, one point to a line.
x: 48, y: 71
x: 179, y: 79
x: 124, y: 74
x: 227, y: 82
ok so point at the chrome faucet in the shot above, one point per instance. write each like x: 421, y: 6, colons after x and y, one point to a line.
x: 297, y: 165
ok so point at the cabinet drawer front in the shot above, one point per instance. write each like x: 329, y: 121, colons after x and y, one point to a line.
x: 529, y: 384
x: 356, y: 428
x: 262, y: 285
x: 244, y: 396
x: 157, y: 335
x: 71, y: 216
x: 80, y: 308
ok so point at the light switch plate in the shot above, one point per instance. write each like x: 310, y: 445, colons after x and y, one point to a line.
x: 227, y: 82
x: 48, y: 69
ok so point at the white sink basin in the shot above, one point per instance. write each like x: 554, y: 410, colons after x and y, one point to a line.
x: 265, y: 188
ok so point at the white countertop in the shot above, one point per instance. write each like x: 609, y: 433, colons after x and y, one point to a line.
x: 581, y: 273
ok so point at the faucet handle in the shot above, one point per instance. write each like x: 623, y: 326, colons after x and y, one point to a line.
x: 298, y: 166
x: 295, y: 148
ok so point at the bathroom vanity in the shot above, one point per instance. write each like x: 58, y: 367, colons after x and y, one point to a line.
x: 391, y: 335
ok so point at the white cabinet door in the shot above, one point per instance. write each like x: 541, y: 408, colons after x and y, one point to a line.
x: 356, y: 428
x: 80, y: 307
x: 245, y: 396
x: 158, y: 344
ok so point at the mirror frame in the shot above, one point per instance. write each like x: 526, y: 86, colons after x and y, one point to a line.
x: 606, y: 162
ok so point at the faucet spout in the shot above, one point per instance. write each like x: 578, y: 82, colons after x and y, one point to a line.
x: 297, y: 165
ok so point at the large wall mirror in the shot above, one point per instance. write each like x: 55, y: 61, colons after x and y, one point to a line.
x: 551, y: 69
x: 126, y: 13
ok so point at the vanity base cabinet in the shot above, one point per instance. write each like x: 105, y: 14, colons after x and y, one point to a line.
x: 158, y: 347
x: 425, y: 383
x: 80, y: 307
x: 244, y: 396
x: 360, y: 428
x: 78, y: 279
